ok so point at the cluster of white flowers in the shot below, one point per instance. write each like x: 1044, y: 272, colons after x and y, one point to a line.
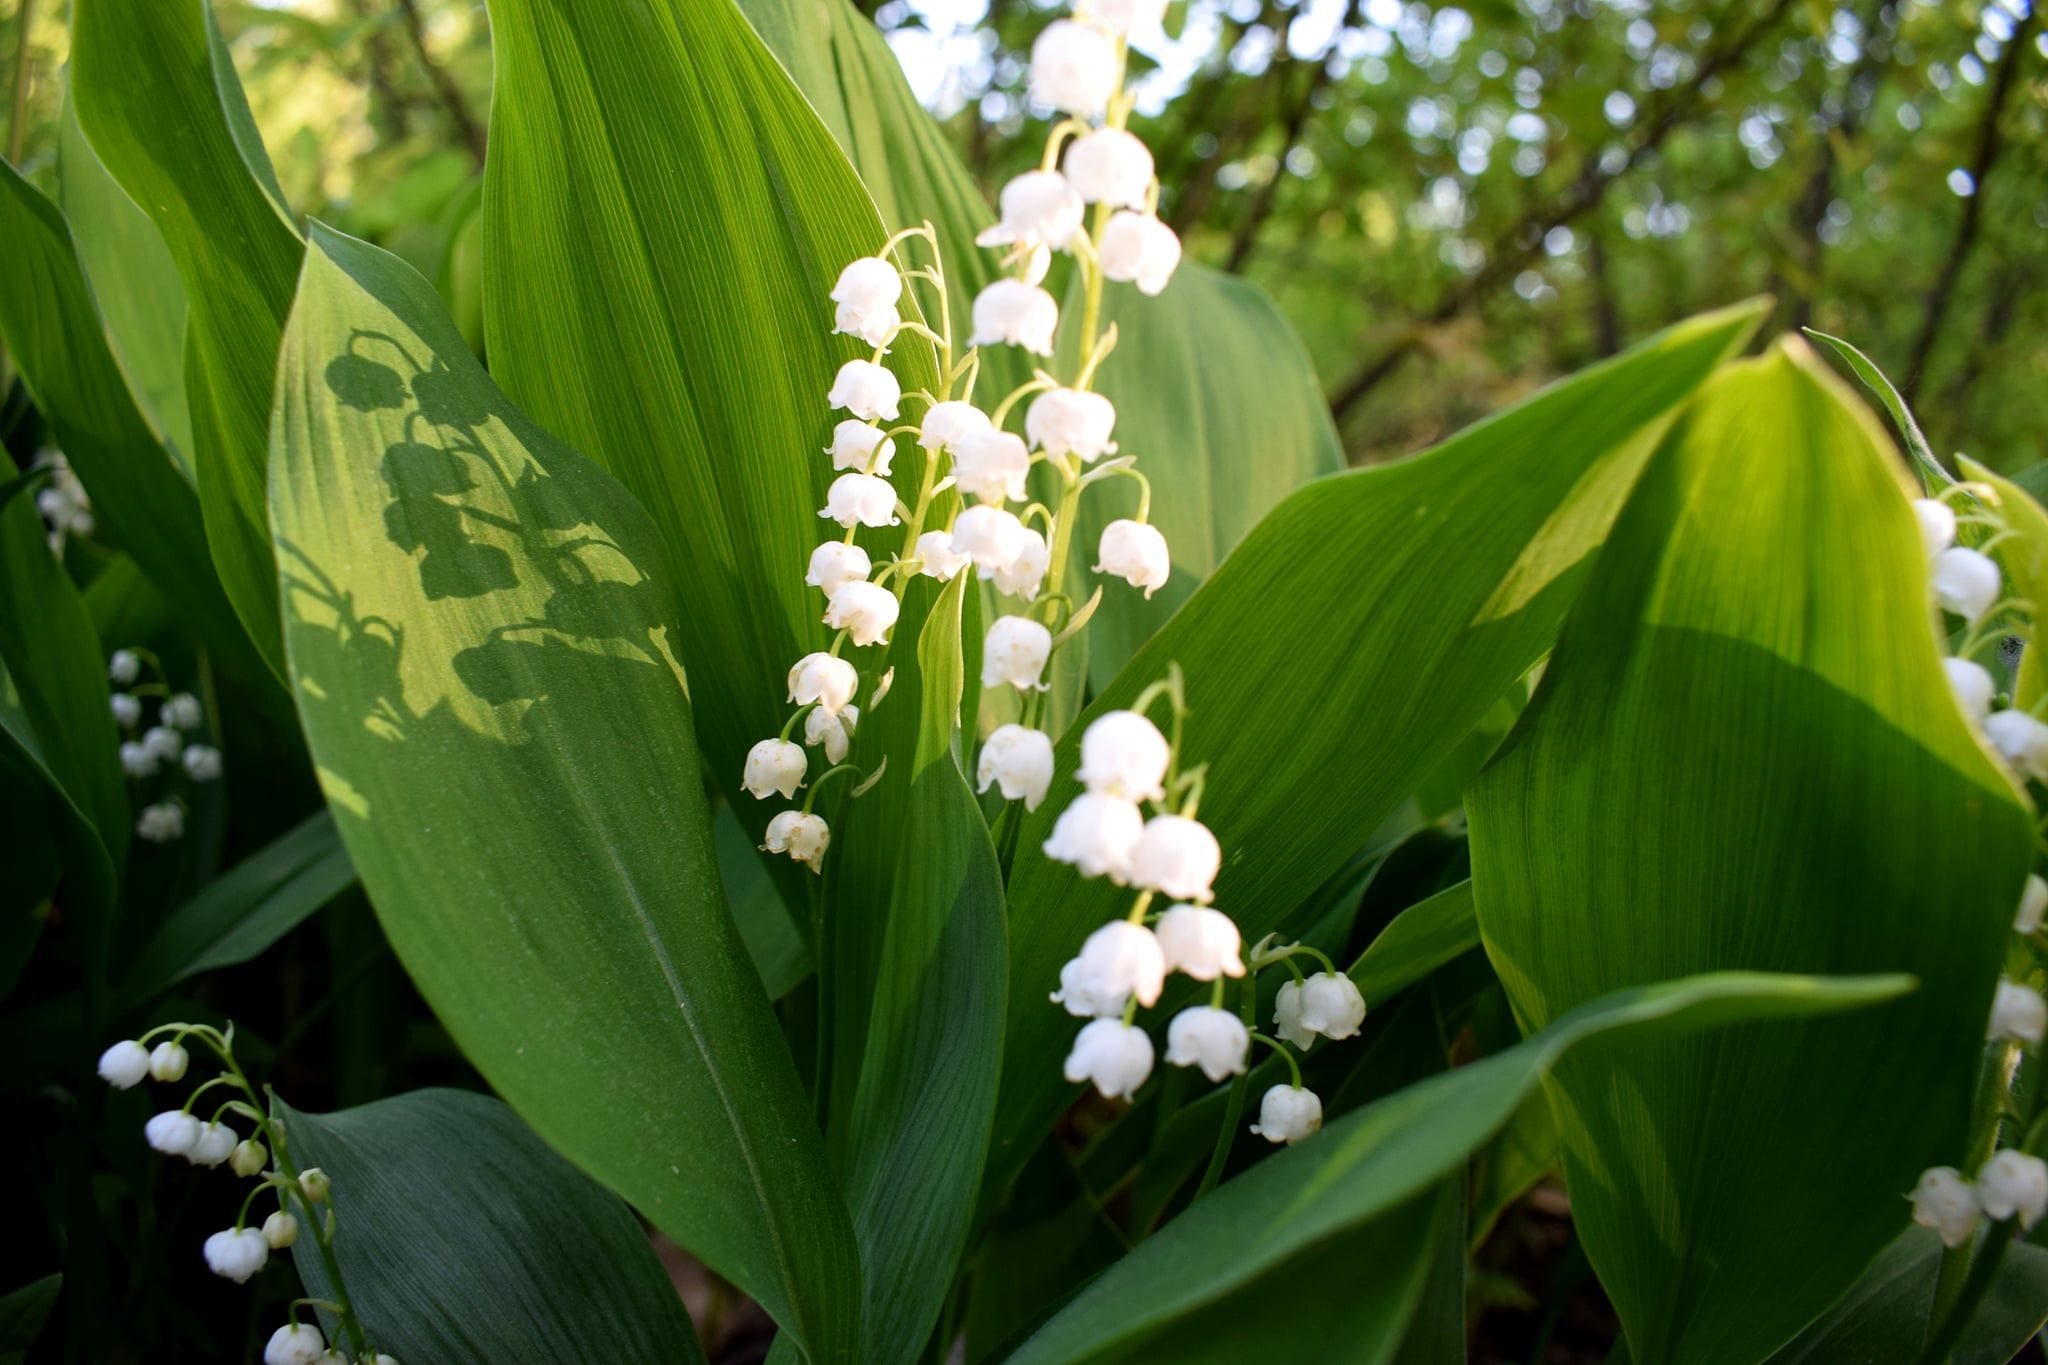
x: 63, y: 502
x: 239, y: 1252
x: 1011, y: 541
x: 2010, y: 1184
x: 167, y: 745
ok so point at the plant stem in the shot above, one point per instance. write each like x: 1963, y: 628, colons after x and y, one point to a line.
x: 1993, y: 1081
x: 1983, y: 1270
x: 1233, y: 1108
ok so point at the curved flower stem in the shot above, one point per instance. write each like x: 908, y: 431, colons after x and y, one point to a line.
x: 1286, y: 1055
x: 823, y: 778
x: 1233, y: 1107
x: 1144, y: 516
x: 794, y: 716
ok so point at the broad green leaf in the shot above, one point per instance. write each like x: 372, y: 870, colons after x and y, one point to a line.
x: 773, y: 939
x: 1284, y: 1212
x: 1216, y: 398
x: 664, y: 220
x: 1419, y: 940
x: 481, y: 634
x: 245, y: 910
x: 52, y: 328
x: 22, y: 1314
x: 1436, y: 1334
x: 156, y: 93
x: 1744, y: 756
x: 1343, y: 649
x: 462, y: 1237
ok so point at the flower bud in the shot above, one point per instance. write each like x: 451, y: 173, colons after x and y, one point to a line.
x: 835, y: 563
x: 2033, y: 903
x: 182, y: 711
x: 1064, y: 422
x: 774, y: 766
x: 1019, y: 761
x: 1116, y: 1056
x: 173, y: 1132
x: 124, y: 1064
x: 1097, y: 834
x: 801, y: 835
x: 126, y: 709
x: 1136, y: 553
x: 249, y: 1158
x: 1015, y: 652
x: 297, y: 1343
x: 865, y: 609
x: 1020, y: 575
x: 1213, y: 1039
x: 855, y: 445
x: 1073, y: 68
x: 1972, y: 686
x: 1288, y: 1114
x: 992, y: 465
x: 947, y: 424
x: 237, y: 1253
x: 1139, y: 249
x: 1966, y: 582
x: 314, y: 1184
x: 280, y: 1230
x: 1037, y: 208
x: 936, y: 558
x: 834, y: 730
x: 860, y: 499
x: 1013, y: 313
x: 168, y: 1061
x: 823, y: 679
x: 124, y: 666
x: 215, y: 1144
x: 867, y: 390
x: 1110, y: 166
x: 1123, y: 754
x: 2018, y: 1013
x: 202, y: 762
x: 2014, y: 1184
x: 1937, y: 524
x: 1201, y: 942
x: 1176, y: 856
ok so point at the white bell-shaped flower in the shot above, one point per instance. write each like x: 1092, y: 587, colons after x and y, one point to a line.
x: 296, y: 1343
x: 1971, y: 682
x: 992, y: 466
x: 1014, y: 652
x: 249, y: 1158
x: 182, y: 711
x: 936, y: 557
x: 1013, y: 313
x: 2013, y: 1184
x: 832, y: 730
x: 161, y: 823
x: 2018, y: 1013
x: 201, y: 762
x: 1037, y: 208
x: 1123, y: 16
x: 1097, y: 834
x: 799, y: 834
x: 1123, y: 754
x: 1944, y: 1201
x: 861, y: 499
x: 775, y: 767
x: 1124, y: 959
x: 124, y: 666
x: 866, y: 609
x: 173, y: 1132
x: 138, y: 760
x: 1201, y: 942
x: 870, y: 282
x: 1213, y: 1039
x: 835, y: 564
x: 215, y: 1144
x: 315, y: 1184
x: 2021, y: 740
x: 163, y: 741
x: 124, y: 1064
x: 855, y: 443
x: 946, y: 424
x: 1288, y: 1113
x: 1114, y: 1055
x: 1139, y: 249
x: 989, y: 536
x: 237, y: 1253
x: 126, y: 710
x: 1020, y: 575
x: 1071, y: 422
x: 168, y: 1061
x: 1018, y: 760
x: 280, y: 1230
x: 1937, y: 524
x: 1326, y: 1005
x: 1135, y: 552
x: 874, y: 326
x: 821, y: 678
x: 1074, y: 68
x: 1178, y: 857
x: 2033, y: 904
x: 1110, y: 166
x: 1079, y: 996
x: 867, y: 390
x: 1965, y: 582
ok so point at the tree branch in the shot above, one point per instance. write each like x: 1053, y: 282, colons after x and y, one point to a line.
x: 445, y: 89
x: 1246, y: 239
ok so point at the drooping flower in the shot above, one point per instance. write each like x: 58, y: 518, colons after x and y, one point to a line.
x: 1073, y: 68
x: 280, y: 1230
x: 1135, y: 552
x: 1965, y: 582
x: 854, y: 445
x: 1114, y: 1055
x: 1971, y: 682
x: 1038, y: 208
x: 1012, y: 313
x: 182, y: 712
x: 799, y: 834
x: 202, y: 762
x: 216, y: 1143
x: 1176, y: 856
x: 297, y: 1343
x: 168, y: 1061
x: 138, y: 760
x: 1110, y: 166
x: 1288, y: 1113
x: 161, y: 823
x: 1020, y: 575
x: 1124, y: 755
x: 1097, y: 833
x: 126, y: 710
x: 1201, y: 942
x: 1019, y: 761
x: 1078, y: 994
x: 1937, y: 524
x: 2033, y: 904
x: 249, y: 1158
x: 1326, y: 1003
x: 1015, y: 652
x: 1139, y: 249
x: 237, y: 1253
x: 124, y: 1064
x: 992, y: 465
x: 947, y: 424
x: 989, y: 536
x: 775, y: 766
x: 163, y: 741
x: 835, y: 564
x: 867, y: 390
x: 2018, y: 1013
x: 1214, y: 1039
x: 867, y: 610
x: 866, y: 292
x: 2020, y: 739
x: 833, y: 730
x: 1123, y: 959
x: 936, y: 557
x: 1944, y: 1201
x: 2014, y: 1184
x: 821, y: 678
x: 861, y: 499
x: 172, y: 1132
x: 1064, y: 422
x: 124, y: 666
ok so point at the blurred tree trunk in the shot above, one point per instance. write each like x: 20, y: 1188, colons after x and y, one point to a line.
x: 450, y: 95
x: 1246, y: 239
x: 1198, y: 184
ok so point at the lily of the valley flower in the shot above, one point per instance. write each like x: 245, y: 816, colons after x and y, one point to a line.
x: 124, y: 1064
x: 1176, y: 856
x: 126, y: 710
x: 2018, y: 1013
x: 1971, y: 682
x: 163, y: 741
x: 867, y: 390
x: 1018, y: 760
x: 1097, y: 833
x: 138, y: 759
x: 992, y: 465
x: 775, y: 766
x: 835, y: 564
x: 2013, y: 1184
x: 1937, y: 522
x: 182, y: 711
x: 854, y: 445
x: 865, y: 609
x: 1213, y: 1039
x: 823, y: 679
x: 936, y: 557
x: 1288, y: 1113
x: 1124, y: 755
x: 2020, y: 739
x: 1123, y: 959
x: 216, y: 1143
x: 1139, y: 249
x: 1201, y: 942
x: 1013, y: 313
x: 1944, y: 1201
x: 168, y: 1061
x: 866, y: 292
x: 161, y: 823
x: 1073, y: 68
x: 124, y: 666
x: 296, y: 1343
x: 833, y: 731
x: 1015, y: 652
x: 801, y: 835
x: 173, y: 1132
x: 860, y: 499
x: 1123, y: 16
x: 2033, y: 904
x: 1037, y: 208
x: 280, y: 1230
x: 1114, y: 1055
x: 1965, y: 582
x: 237, y: 1253
x: 946, y: 424
x: 1135, y: 552
x: 1064, y: 422
x: 1020, y: 575
x: 1110, y: 166
x: 249, y: 1158
x: 201, y: 762
x: 1325, y: 1004
x: 990, y: 536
